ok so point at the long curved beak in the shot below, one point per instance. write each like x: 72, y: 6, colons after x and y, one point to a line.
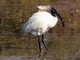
x: 54, y: 11
x: 61, y: 19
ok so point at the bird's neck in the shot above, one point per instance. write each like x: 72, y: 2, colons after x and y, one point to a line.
x: 54, y: 14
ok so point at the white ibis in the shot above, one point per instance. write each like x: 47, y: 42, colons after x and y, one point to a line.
x: 40, y: 22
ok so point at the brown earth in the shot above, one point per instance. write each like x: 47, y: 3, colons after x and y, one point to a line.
x: 63, y: 43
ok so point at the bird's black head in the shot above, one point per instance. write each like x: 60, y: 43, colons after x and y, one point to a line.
x: 55, y: 13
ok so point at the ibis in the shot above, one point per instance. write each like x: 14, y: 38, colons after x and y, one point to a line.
x: 40, y: 22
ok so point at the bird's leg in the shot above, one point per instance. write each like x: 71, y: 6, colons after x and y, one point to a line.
x: 44, y: 43
x: 39, y: 42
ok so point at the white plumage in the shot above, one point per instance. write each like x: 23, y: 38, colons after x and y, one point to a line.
x: 39, y: 23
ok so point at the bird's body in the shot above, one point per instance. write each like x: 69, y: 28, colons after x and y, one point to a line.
x: 39, y: 23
